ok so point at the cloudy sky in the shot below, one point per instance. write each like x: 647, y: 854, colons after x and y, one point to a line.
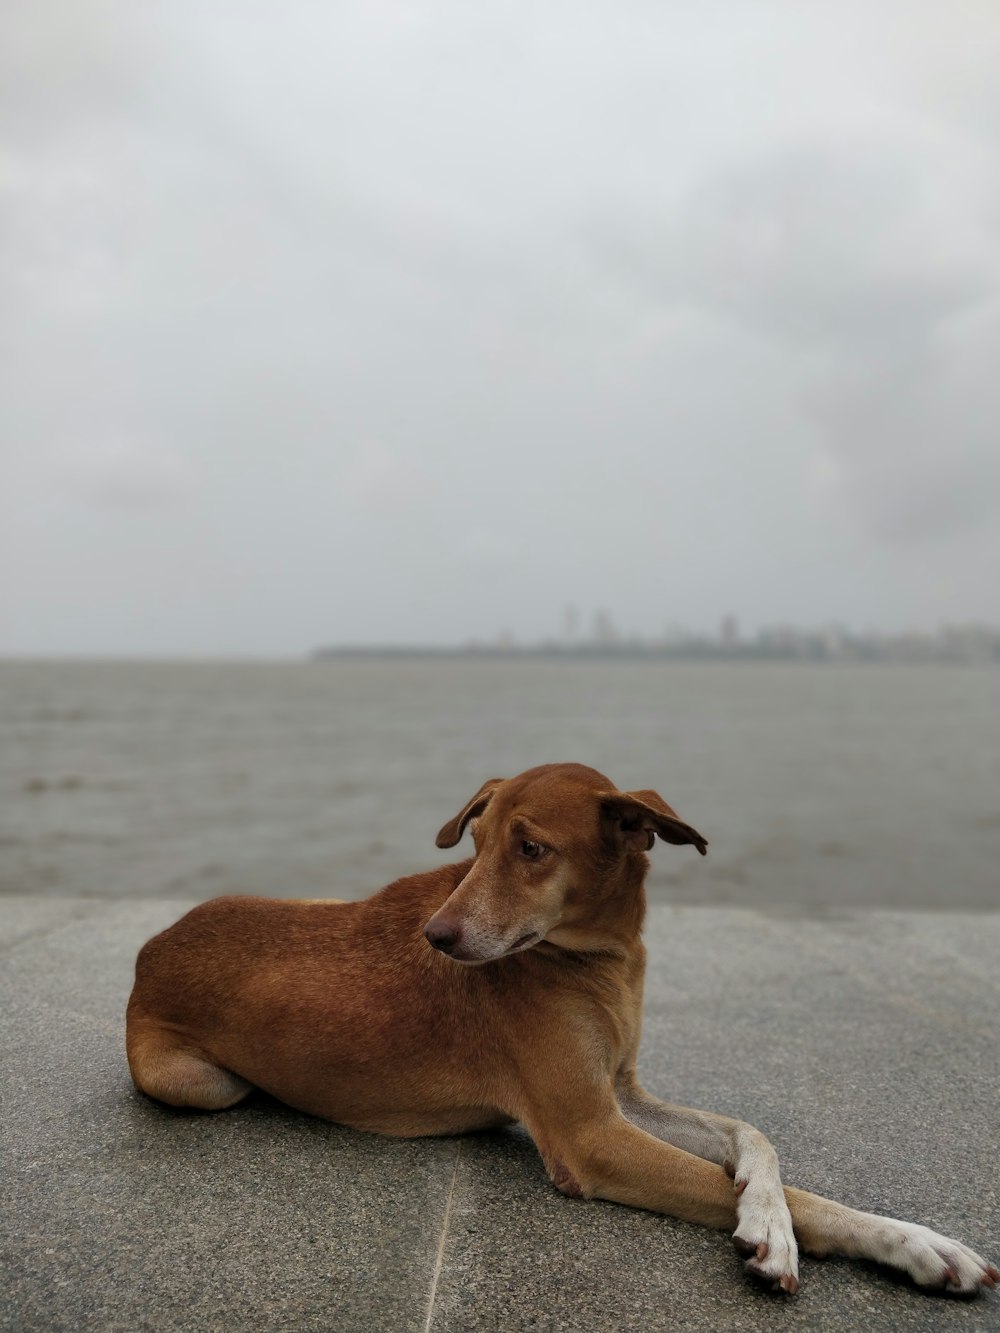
x: 377, y: 322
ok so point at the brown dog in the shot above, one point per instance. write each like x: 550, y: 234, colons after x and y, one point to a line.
x: 507, y: 987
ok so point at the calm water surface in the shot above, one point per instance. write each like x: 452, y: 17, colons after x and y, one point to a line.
x: 818, y: 787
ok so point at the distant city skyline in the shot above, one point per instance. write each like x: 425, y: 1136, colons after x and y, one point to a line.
x: 971, y: 642
x: 599, y: 625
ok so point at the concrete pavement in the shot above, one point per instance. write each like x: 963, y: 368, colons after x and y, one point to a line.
x: 864, y: 1046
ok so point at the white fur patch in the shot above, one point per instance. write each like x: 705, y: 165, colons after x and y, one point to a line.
x: 762, y: 1215
x: 930, y: 1259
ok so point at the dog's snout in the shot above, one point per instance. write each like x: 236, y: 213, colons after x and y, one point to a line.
x: 443, y: 935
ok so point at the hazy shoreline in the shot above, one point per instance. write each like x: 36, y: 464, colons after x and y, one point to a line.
x: 652, y: 656
x: 562, y: 655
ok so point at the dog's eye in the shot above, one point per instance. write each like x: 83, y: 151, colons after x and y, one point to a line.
x: 532, y: 850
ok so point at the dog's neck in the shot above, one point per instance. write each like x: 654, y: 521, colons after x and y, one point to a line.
x: 613, y: 924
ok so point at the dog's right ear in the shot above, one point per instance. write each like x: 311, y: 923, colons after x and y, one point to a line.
x: 453, y: 830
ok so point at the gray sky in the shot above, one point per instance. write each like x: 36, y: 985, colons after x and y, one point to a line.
x: 420, y: 321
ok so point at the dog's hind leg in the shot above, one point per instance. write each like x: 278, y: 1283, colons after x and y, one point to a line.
x: 164, y: 1068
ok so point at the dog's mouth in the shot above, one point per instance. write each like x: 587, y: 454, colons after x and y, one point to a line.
x: 519, y: 946
x: 525, y: 942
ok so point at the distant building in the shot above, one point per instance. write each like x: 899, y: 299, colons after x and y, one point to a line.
x: 605, y: 632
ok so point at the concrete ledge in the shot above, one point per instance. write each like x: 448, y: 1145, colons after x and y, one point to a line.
x: 865, y: 1047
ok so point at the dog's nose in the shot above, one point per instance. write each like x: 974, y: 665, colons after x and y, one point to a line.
x: 443, y: 936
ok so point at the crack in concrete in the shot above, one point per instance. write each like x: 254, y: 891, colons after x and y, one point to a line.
x: 442, y: 1239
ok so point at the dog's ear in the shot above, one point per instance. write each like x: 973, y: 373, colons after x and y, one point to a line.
x: 639, y: 817
x: 453, y: 830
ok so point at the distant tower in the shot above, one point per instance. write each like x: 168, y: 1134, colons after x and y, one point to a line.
x: 604, y: 628
x: 571, y: 624
x: 729, y: 632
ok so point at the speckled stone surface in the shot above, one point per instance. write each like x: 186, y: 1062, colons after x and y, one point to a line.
x: 865, y: 1046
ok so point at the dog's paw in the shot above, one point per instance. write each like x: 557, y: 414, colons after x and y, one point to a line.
x: 936, y: 1262
x: 764, y: 1233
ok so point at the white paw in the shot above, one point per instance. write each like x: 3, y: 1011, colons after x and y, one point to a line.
x: 764, y: 1232
x: 933, y: 1260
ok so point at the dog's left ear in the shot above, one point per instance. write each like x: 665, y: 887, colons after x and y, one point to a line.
x: 453, y: 830
x: 639, y: 817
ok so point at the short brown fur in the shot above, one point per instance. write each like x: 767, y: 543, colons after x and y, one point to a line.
x: 507, y: 987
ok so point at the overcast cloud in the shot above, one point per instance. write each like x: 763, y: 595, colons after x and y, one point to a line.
x: 375, y: 322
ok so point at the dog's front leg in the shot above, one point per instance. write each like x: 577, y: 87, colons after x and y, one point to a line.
x: 764, y: 1224
x: 592, y: 1150
x: 607, y: 1157
x: 821, y: 1225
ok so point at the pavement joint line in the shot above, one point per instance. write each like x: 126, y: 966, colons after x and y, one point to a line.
x: 442, y: 1239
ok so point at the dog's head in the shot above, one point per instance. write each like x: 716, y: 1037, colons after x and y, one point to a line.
x: 556, y: 850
